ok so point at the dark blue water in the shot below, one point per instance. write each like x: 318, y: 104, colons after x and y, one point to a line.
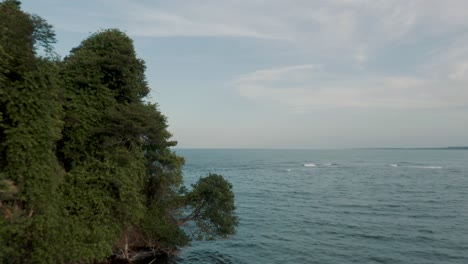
x: 346, y: 206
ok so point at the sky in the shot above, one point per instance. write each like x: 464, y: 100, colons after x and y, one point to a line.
x: 292, y: 74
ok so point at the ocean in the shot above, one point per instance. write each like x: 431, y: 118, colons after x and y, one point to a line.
x: 338, y: 206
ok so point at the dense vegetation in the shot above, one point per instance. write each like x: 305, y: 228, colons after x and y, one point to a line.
x: 86, y: 169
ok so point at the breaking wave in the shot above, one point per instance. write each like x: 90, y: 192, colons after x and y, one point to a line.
x: 408, y: 165
x: 426, y: 167
x: 320, y: 164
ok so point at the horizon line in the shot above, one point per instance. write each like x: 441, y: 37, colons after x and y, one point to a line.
x: 345, y: 148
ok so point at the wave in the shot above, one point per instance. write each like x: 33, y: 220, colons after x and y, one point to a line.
x: 426, y: 167
x: 320, y: 164
x: 405, y: 164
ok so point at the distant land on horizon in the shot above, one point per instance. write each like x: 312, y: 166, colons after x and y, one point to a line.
x: 429, y: 148
x: 384, y: 148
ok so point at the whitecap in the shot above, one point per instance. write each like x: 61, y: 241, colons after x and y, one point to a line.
x: 393, y: 165
x: 426, y: 167
x: 309, y: 165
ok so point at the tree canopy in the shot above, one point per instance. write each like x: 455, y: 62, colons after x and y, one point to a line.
x: 86, y: 165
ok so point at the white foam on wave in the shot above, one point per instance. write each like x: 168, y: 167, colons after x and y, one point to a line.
x: 415, y: 166
x: 320, y: 165
x: 426, y: 167
x: 288, y: 170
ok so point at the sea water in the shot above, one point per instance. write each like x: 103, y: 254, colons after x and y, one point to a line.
x: 338, y: 206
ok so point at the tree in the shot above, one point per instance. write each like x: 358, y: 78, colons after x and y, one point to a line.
x: 111, y: 54
x: 211, y: 205
x: 29, y: 127
x: 86, y: 165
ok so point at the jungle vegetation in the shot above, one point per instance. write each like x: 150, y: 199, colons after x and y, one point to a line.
x: 86, y: 166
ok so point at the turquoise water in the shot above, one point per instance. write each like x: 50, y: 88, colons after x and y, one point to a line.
x: 339, y: 206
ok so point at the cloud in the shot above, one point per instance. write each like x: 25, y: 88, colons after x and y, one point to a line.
x: 354, y: 30
x: 346, y: 31
x: 459, y: 72
x: 275, y: 75
x: 303, y: 20
x: 172, y: 19
x: 362, y: 53
x: 302, y: 88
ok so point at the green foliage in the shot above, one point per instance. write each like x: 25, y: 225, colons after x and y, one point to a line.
x: 110, y: 55
x: 212, y: 208
x: 43, y: 34
x: 98, y: 200
x: 161, y: 229
x: 30, y: 126
x: 104, y: 163
x: 85, y: 163
x: 16, y: 31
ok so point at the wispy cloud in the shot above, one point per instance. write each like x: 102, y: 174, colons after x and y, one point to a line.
x: 353, y: 28
x: 360, y: 62
x: 301, y: 20
x: 306, y: 87
x: 294, y: 72
x: 346, y: 41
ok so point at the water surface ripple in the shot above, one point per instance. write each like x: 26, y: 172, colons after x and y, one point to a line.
x: 339, y: 206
